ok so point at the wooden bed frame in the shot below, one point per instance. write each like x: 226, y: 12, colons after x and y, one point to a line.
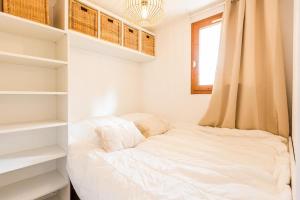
x: 73, y: 193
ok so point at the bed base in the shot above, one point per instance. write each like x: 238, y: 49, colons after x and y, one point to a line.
x: 73, y: 193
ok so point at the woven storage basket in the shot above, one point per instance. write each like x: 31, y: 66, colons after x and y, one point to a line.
x: 131, y: 37
x: 110, y: 29
x: 148, y: 44
x: 35, y: 10
x: 83, y: 18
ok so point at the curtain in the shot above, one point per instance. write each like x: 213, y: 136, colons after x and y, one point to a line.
x: 250, y: 89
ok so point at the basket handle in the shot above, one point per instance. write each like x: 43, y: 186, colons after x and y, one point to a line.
x: 110, y: 20
x: 130, y: 30
x: 148, y: 36
x: 83, y: 9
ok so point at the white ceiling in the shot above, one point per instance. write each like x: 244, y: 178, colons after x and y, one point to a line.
x: 173, y: 8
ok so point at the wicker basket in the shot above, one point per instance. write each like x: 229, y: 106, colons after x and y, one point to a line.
x: 35, y: 10
x: 110, y: 29
x: 83, y: 18
x: 131, y: 37
x: 148, y: 44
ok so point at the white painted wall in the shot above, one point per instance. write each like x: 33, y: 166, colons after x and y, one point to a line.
x: 166, y: 86
x: 166, y: 81
x: 101, y: 85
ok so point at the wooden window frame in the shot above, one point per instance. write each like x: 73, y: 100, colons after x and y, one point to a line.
x: 195, y: 87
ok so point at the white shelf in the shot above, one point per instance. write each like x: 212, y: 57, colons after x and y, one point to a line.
x: 20, y: 26
x: 19, y: 160
x: 53, y: 198
x: 19, y: 166
x: 31, y: 93
x: 20, y: 59
x: 90, y: 43
x: 9, y: 128
x: 34, y: 188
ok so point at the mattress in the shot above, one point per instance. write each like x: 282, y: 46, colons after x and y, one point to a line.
x: 187, y: 162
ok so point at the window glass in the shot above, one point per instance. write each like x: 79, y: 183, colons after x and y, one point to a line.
x: 209, y: 42
x: 206, y: 36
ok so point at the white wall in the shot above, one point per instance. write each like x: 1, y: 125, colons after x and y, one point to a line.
x: 166, y: 81
x: 166, y: 88
x: 102, y: 85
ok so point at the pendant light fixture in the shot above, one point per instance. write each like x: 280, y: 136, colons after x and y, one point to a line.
x: 144, y: 12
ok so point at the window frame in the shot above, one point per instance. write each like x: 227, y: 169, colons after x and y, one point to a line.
x: 195, y: 87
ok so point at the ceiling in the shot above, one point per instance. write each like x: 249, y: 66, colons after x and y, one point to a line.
x: 173, y: 8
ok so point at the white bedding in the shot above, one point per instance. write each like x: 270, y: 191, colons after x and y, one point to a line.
x: 184, y: 164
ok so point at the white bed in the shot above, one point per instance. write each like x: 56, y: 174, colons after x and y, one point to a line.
x: 186, y: 163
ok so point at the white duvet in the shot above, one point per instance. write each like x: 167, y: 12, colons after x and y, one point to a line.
x: 184, y: 164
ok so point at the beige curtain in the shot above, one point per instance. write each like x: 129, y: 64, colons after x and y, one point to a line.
x: 250, y: 91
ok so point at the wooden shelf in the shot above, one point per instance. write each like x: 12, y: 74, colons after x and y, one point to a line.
x: 31, y: 93
x: 90, y: 43
x: 20, y: 59
x: 19, y: 160
x: 34, y: 188
x: 9, y: 128
x: 20, y: 26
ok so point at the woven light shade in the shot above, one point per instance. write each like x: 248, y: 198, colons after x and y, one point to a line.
x: 144, y: 12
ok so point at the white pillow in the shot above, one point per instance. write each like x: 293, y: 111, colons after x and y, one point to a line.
x: 83, y: 132
x: 148, y: 124
x: 117, y: 134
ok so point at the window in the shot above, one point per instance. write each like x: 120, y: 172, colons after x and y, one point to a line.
x: 205, y: 48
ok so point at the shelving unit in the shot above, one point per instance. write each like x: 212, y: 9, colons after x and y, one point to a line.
x: 90, y: 43
x: 34, y: 187
x: 12, y: 24
x: 34, y: 106
x: 19, y: 127
x: 83, y: 41
x: 31, y: 93
x: 19, y: 59
x: 52, y: 198
x: 19, y: 160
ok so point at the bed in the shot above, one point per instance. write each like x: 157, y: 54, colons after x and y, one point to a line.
x: 187, y: 162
